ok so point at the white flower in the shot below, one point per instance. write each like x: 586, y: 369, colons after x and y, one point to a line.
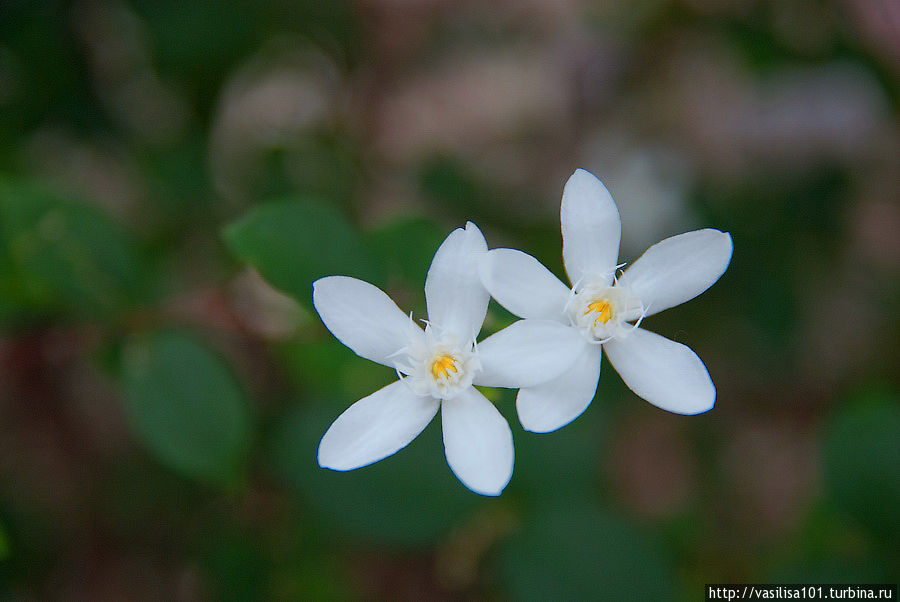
x: 437, y: 367
x: 607, y: 311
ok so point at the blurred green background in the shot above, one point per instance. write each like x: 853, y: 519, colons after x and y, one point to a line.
x: 175, y: 173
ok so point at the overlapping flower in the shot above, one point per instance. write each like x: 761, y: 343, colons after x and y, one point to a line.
x: 437, y: 367
x: 607, y: 310
x: 552, y: 355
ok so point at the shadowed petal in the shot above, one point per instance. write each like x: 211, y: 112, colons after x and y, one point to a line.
x: 556, y: 403
x: 667, y: 374
x: 521, y: 284
x: 362, y: 317
x: 375, y: 427
x: 478, y: 442
x: 457, y: 301
x: 527, y: 353
x: 679, y: 268
x: 591, y: 229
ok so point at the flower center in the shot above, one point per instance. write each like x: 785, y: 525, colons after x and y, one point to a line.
x: 603, y: 310
x: 438, y: 365
x: 442, y: 366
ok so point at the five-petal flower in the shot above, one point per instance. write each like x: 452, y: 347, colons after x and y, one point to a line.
x: 607, y: 311
x: 437, y: 367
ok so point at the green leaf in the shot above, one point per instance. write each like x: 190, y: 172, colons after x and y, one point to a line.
x: 407, y: 247
x: 408, y: 499
x: 862, y: 461
x: 63, y: 255
x: 293, y: 243
x: 578, y: 552
x: 184, y: 403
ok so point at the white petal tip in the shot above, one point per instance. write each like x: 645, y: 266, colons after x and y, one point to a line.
x: 326, y: 280
x: 583, y: 177
x: 322, y: 286
x: 542, y: 427
x: 689, y: 407
x: 695, y: 410
x: 724, y: 234
x: 332, y: 464
x: 330, y: 459
x: 470, y: 230
x: 581, y: 172
x: 726, y: 247
x: 489, y: 493
x: 725, y: 239
x: 486, y: 489
x: 473, y: 229
x: 540, y: 430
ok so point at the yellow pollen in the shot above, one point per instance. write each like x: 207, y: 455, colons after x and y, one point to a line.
x: 443, y: 366
x: 603, y: 309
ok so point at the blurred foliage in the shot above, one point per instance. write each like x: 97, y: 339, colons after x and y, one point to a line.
x: 4, y: 544
x: 174, y: 175
x: 559, y: 553
x: 411, y: 501
x: 405, y: 247
x: 294, y: 243
x: 63, y: 256
x: 862, y: 461
x: 183, y: 401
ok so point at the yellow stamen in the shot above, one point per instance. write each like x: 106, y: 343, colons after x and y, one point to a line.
x: 603, y: 309
x: 443, y: 366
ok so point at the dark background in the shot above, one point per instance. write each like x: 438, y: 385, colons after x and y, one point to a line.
x: 161, y: 401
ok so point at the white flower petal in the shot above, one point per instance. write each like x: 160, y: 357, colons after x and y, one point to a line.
x: 678, y: 268
x: 363, y: 318
x: 375, y: 427
x: 457, y: 301
x: 667, y: 374
x: 527, y: 353
x: 521, y: 284
x: 478, y: 442
x: 591, y: 229
x: 554, y: 404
